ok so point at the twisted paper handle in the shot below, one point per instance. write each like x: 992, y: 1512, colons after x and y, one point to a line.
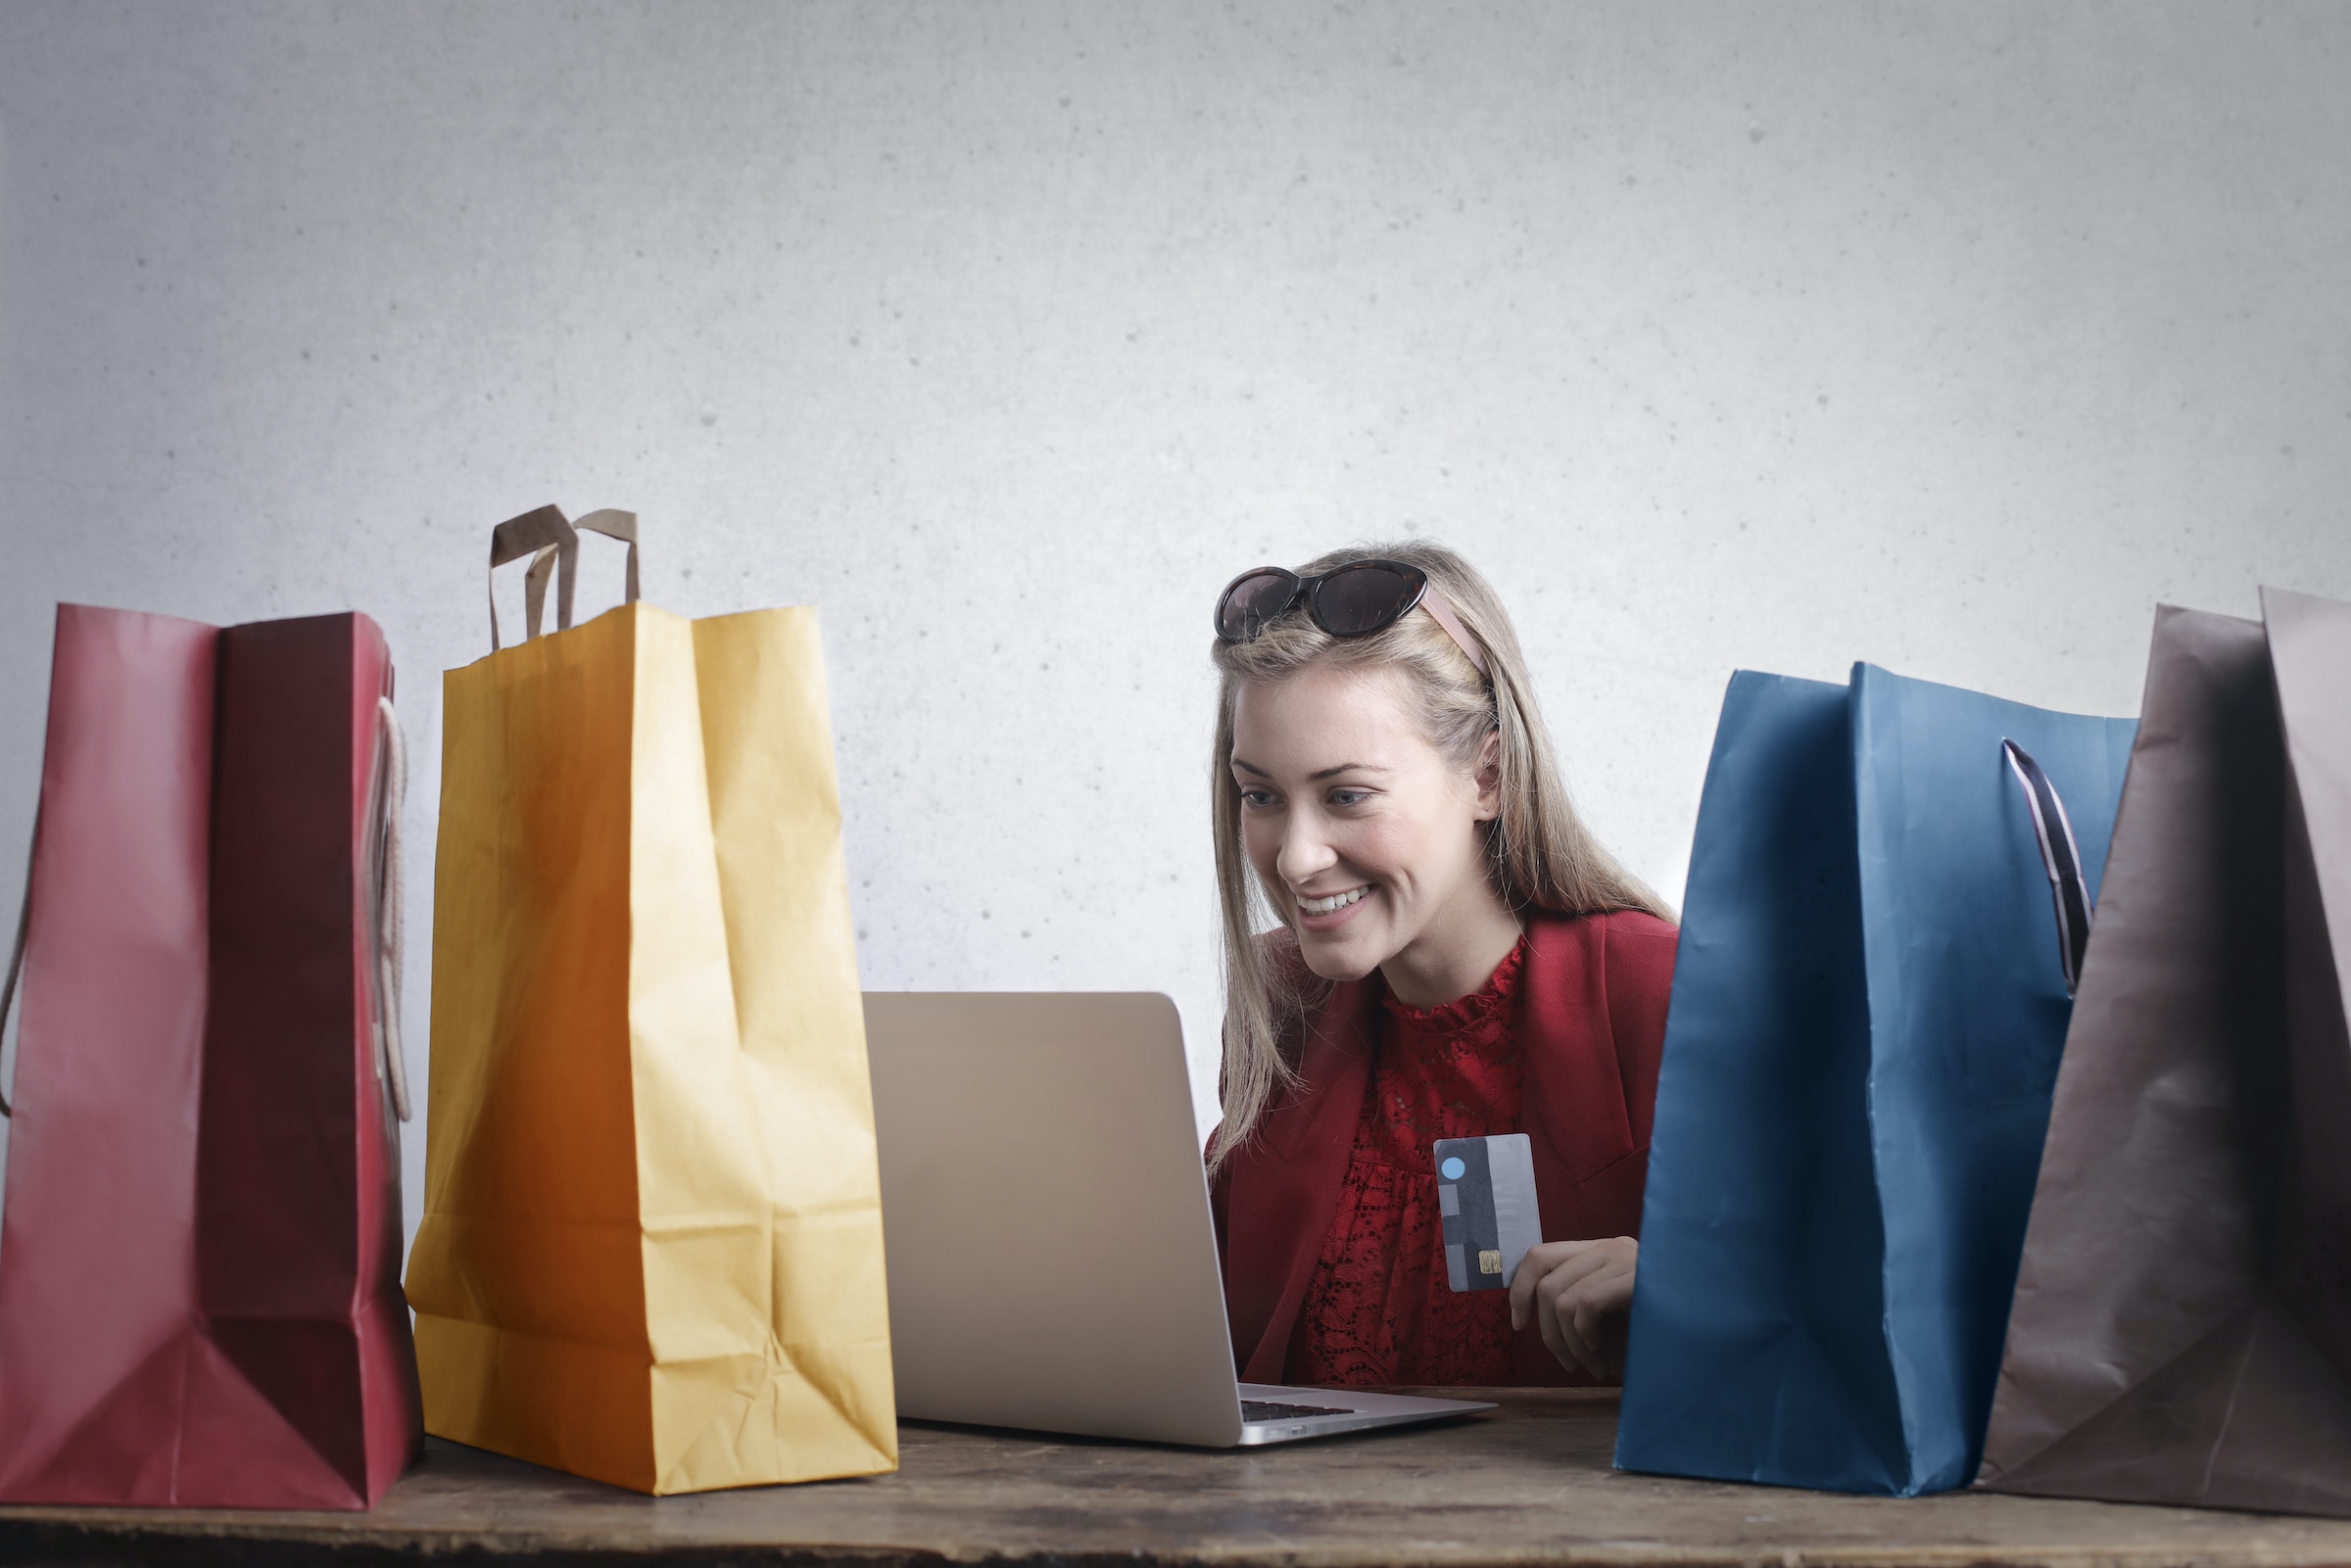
x: 15, y: 959
x: 552, y: 541
x: 390, y: 793
x: 2060, y: 858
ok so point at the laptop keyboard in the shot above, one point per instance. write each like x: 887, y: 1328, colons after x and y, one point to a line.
x: 1275, y: 1411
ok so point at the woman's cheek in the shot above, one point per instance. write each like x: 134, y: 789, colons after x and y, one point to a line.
x: 1263, y: 845
x: 1374, y: 849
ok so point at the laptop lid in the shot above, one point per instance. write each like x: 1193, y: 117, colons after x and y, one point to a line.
x: 1045, y: 1222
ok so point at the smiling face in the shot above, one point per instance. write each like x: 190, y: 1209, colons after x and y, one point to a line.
x: 1361, y: 832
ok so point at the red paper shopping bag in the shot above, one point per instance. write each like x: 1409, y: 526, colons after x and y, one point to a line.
x: 200, y: 1250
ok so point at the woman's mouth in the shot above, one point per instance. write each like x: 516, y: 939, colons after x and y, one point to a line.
x: 1332, y: 911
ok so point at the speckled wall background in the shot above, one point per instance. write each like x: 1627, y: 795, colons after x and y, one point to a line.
x: 1952, y: 337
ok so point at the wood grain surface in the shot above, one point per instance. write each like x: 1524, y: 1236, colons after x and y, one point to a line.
x: 1527, y: 1484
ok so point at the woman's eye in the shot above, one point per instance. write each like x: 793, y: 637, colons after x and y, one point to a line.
x: 1349, y: 797
x: 1257, y: 799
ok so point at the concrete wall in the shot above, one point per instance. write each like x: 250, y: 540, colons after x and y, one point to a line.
x: 1950, y: 337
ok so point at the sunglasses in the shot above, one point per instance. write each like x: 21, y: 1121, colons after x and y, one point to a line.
x: 1356, y: 599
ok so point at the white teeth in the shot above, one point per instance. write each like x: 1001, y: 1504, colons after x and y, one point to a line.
x: 1324, y: 906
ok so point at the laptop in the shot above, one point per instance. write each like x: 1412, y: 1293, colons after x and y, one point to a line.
x: 1045, y: 1223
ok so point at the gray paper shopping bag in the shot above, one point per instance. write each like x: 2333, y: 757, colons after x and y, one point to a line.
x: 2181, y: 1328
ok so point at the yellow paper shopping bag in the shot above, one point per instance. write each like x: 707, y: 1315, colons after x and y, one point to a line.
x: 651, y: 1244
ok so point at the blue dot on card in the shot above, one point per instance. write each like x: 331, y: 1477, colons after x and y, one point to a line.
x: 1453, y: 1167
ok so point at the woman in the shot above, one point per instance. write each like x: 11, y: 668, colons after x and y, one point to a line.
x: 1455, y: 957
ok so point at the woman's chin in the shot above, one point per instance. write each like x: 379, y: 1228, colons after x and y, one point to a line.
x: 1336, y: 958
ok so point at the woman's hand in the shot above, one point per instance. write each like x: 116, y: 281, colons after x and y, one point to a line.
x: 1578, y: 1292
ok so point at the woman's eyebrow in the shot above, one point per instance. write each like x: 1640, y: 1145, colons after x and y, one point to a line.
x: 1313, y: 777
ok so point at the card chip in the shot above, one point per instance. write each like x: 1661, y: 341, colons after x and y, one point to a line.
x: 1489, y: 1263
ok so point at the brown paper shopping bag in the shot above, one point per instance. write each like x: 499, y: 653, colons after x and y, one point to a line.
x: 2181, y: 1328
x: 651, y: 1246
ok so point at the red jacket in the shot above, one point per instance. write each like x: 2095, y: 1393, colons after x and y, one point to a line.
x: 1593, y: 1010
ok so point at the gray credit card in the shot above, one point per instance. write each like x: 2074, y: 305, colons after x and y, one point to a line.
x: 1486, y: 1193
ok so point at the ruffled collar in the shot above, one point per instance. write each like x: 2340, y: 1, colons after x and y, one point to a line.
x: 1462, y: 1013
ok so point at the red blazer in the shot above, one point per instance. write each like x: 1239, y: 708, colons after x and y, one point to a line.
x: 1594, y: 990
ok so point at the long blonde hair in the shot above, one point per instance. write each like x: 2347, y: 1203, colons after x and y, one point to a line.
x: 1537, y: 850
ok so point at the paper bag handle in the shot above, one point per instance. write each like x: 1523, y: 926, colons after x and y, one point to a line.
x: 613, y: 523
x: 2060, y: 857
x: 550, y: 541
x: 16, y: 958
x: 388, y: 793
x: 556, y: 541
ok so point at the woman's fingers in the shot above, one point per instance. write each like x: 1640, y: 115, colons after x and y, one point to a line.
x: 1580, y: 1300
x: 1558, y: 1339
x: 1556, y: 1312
x: 1560, y: 1295
x: 1590, y: 1330
x: 1540, y: 1261
x: 1602, y: 1311
x: 1602, y: 1331
x: 1546, y: 1269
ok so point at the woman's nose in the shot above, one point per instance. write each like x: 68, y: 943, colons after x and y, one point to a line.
x: 1305, y: 853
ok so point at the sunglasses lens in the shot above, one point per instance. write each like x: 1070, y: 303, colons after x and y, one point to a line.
x: 1253, y: 602
x: 1357, y: 600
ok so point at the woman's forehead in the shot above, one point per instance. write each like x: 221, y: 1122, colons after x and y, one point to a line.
x: 1327, y: 716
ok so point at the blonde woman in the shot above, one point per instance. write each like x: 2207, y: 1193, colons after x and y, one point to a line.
x: 1455, y: 957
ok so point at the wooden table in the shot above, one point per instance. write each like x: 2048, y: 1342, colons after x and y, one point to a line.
x: 1528, y: 1484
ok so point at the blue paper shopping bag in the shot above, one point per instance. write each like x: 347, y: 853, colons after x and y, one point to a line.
x: 1888, y: 894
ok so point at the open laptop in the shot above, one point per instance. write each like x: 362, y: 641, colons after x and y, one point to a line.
x: 1045, y: 1223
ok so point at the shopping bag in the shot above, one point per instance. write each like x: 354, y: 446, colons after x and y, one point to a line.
x: 199, y: 1259
x: 2182, y: 1331
x: 651, y: 1246
x: 1888, y: 883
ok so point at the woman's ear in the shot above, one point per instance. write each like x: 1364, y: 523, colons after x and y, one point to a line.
x: 1489, y: 777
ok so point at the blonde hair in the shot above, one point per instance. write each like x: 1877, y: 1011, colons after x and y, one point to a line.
x: 1538, y: 852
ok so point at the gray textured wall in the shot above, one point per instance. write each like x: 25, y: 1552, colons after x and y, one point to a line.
x: 1952, y: 337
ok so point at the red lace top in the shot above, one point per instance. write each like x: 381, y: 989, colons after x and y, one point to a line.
x: 1377, y: 1309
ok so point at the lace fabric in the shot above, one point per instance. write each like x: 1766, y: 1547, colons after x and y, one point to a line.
x: 1377, y: 1309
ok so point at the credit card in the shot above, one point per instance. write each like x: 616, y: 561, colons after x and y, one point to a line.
x: 1486, y: 1195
